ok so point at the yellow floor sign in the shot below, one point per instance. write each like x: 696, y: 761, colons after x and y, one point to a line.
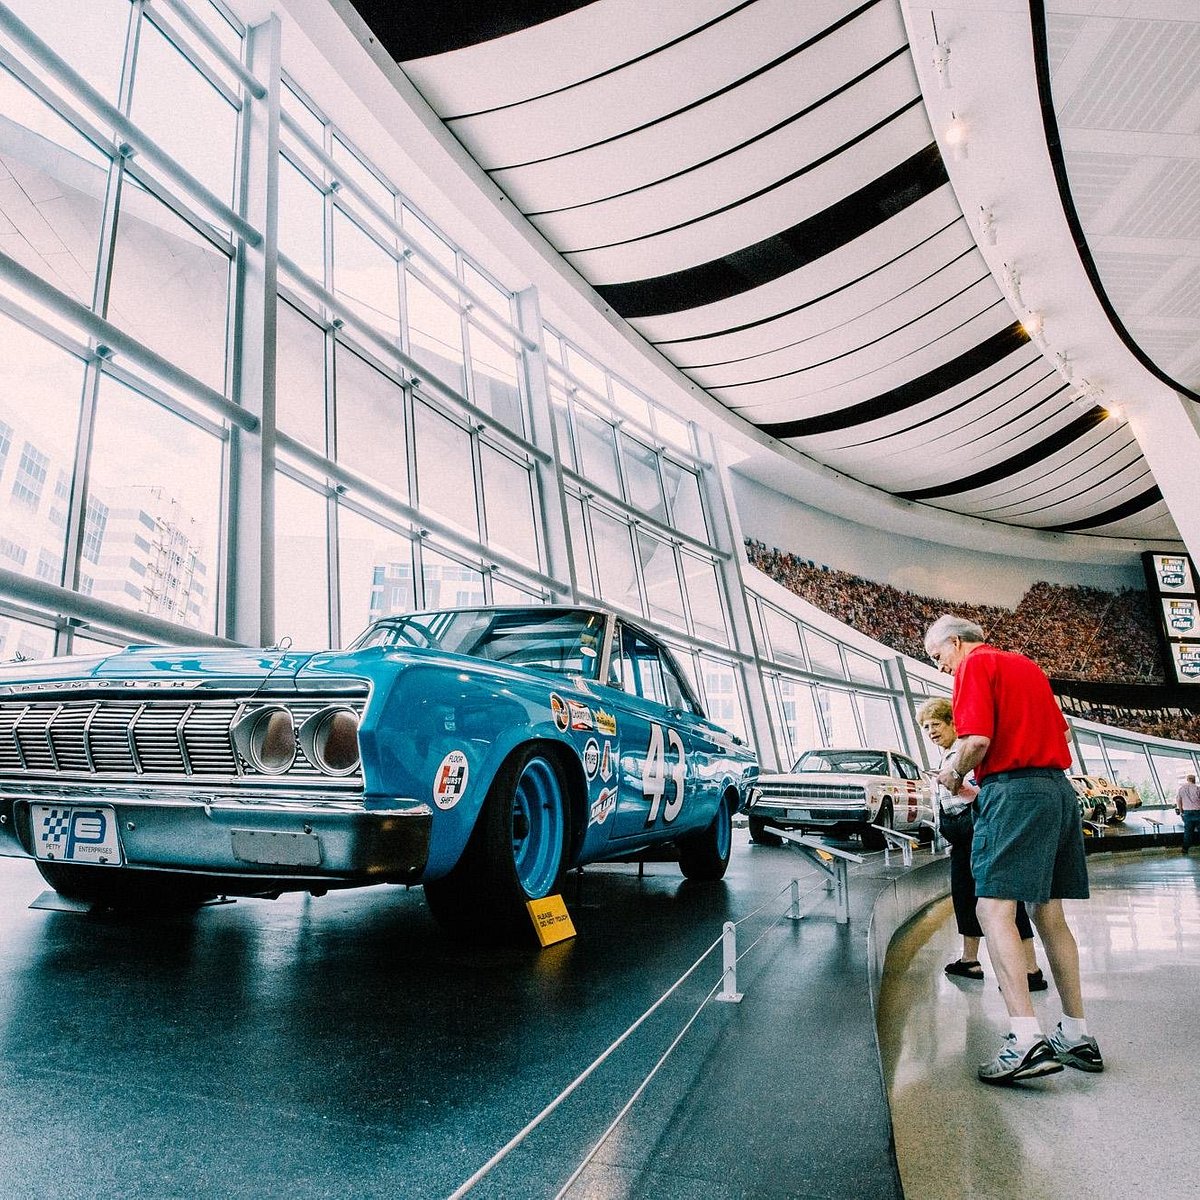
x: 551, y: 922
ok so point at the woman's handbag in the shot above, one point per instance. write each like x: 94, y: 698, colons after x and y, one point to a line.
x: 958, y: 828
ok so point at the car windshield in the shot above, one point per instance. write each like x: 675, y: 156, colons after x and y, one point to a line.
x: 852, y: 762
x: 565, y: 641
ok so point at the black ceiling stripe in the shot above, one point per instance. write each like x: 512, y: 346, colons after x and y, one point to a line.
x: 418, y: 30
x: 924, y: 387
x: 758, y: 137
x: 763, y: 191
x: 785, y: 251
x: 882, y: 337
x: 1017, y: 435
x: 1138, y: 504
x: 787, y: 312
x: 1058, y: 478
x: 1041, y: 59
x: 942, y: 414
x: 729, y: 87
x: 729, y: 362
x: 629, y: 62
x: 1010, y: 420
x: 1091, y: 485
x: 1078, y: 428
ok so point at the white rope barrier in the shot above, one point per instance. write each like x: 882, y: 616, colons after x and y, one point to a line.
x: 522, y: 1134
x: 634, y: 1098
x: 728, y: 930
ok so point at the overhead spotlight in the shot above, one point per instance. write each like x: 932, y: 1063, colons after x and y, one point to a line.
x: 987, y: 225
x: 941, y: 62
x: 1113, y: 412
x: 956, y: 137
x: 1012, y: 285
x: 1033, y: 323
x: 1085, y: 394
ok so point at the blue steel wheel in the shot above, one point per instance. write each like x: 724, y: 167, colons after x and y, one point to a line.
x: 518, y: 850
x: 539, y: 827
x: 704, y: 856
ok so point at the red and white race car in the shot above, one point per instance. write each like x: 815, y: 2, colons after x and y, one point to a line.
x: 839, y: 792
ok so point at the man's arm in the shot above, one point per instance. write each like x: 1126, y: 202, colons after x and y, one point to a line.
x: 969, y: 755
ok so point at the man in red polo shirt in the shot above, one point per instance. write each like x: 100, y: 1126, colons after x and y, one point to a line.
x: 1028, y: 841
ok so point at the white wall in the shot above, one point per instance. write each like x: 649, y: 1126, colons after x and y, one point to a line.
x: 955, y: 573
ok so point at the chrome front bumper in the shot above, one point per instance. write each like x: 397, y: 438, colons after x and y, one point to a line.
x: 793, y: 810
x: 331, y: 842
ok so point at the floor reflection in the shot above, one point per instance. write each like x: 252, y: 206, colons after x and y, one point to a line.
x: 1126, y: 1132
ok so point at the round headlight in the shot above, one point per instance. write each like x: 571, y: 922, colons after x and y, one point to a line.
x: 266, y: 739
x: 329, y: 739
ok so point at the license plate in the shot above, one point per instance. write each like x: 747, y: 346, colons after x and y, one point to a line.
x: 798, y: 814
x: 76, y: 833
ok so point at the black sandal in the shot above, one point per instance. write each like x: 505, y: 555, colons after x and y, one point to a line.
x: 965, y: 970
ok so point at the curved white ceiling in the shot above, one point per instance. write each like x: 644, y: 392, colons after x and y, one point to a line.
x: 755, y: 188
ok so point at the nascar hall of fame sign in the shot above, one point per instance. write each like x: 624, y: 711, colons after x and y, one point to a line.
x: 1187, y: 661
x: 1173, y: 573
x: 1182, y: 617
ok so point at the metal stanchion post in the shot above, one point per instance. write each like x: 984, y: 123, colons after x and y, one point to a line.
x: 842, y: 903
x: 794, y: 911
x: 729, y: 992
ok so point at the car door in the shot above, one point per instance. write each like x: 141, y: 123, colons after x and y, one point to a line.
x: 911, y: 794
x: 654, y: 757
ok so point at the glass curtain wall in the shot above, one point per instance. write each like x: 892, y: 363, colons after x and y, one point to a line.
x: 402, y: 434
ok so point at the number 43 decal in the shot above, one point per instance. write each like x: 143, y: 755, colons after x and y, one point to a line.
x: 658, y: 772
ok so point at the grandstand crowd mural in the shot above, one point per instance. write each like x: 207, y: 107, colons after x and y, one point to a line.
x: 1072, y: 632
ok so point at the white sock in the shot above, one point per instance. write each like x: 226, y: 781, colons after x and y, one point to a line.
x: 1026, y: 1030
x: 1074, y: 1028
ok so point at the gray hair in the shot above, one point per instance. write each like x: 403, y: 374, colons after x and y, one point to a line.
x: 947, y: 627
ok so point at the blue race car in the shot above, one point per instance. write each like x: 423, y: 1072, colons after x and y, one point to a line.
x: 481, y: 752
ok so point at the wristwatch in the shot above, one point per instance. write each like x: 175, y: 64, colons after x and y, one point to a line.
x: 957, y: 774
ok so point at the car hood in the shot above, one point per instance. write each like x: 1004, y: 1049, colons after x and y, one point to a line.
x: 167, y: 667
x: 195, y: 667
x: 821, y: 777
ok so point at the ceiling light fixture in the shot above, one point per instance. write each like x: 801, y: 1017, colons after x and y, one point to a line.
x: 1033, y: 323
x: 941, y: 63
x: 987, y: 224
x: 1012, y: 284
x: 956, y: 137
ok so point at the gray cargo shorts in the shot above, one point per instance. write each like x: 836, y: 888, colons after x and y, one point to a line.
x: 1029, y: 838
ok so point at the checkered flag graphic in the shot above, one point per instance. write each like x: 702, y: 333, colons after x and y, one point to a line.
x: 55, y: 824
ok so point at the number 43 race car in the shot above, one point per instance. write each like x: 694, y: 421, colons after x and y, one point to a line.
x: 479, y: 752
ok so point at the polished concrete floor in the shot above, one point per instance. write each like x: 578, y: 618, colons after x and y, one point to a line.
x: 1133, y: 1130
x: 345, y: 1047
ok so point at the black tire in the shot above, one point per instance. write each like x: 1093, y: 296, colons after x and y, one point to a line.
x: 872, y: 839
x: 487, y: 890
x: 1122, y: 807
x: 759, y: 834
x: 704, y: 856
x: 124, y: 889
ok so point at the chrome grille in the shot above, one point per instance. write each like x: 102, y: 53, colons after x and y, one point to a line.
x: 813, y: 791
x: 131, y: 739
x: 34, y: 739
x: 69, y: 740
x: 108, y: 736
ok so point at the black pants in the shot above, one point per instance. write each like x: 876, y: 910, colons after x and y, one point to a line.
x: 962, y: 893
